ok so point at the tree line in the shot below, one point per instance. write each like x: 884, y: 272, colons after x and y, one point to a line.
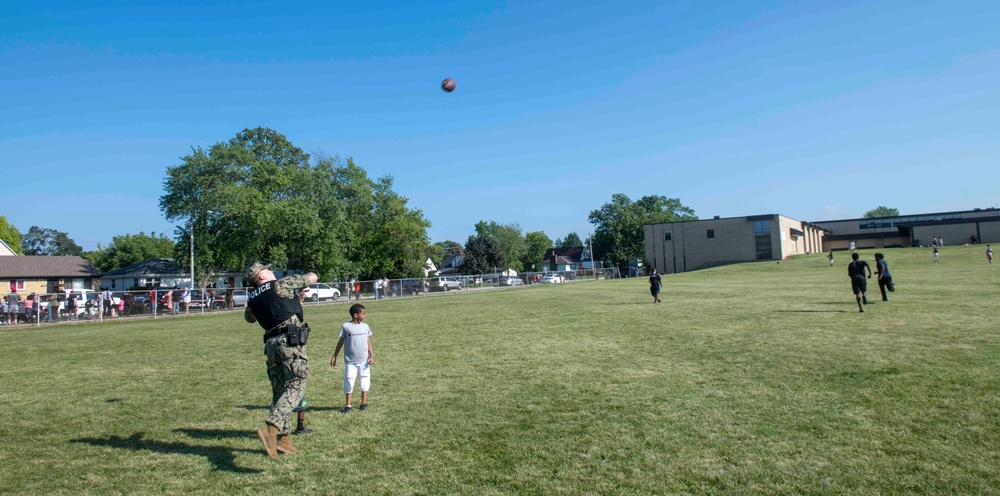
x: 257, y: 197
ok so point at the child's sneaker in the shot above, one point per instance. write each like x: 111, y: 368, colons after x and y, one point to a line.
x: 364, y: 406
x: 297, y: 432
x: 346, y: 410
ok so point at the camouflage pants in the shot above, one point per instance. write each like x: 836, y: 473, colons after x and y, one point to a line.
x: 287, y: 369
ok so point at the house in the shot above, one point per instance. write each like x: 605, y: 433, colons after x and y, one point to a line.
x: 146, y: 274
x: 452, y: 263
x: 564, y: 259
x: 6, y: 250
x: 44, y: 274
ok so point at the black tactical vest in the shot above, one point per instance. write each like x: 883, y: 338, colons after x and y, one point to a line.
x: 271, y: 309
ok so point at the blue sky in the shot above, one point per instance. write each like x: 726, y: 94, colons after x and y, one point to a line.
x: 815, y: 110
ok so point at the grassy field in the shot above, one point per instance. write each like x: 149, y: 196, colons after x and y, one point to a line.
x: 753, y: 378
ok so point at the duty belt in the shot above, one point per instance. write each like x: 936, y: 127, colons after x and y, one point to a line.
x: 273, y: 333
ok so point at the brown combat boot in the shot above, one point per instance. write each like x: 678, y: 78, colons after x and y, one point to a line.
x: 269, y: 437
x: 284, y: 445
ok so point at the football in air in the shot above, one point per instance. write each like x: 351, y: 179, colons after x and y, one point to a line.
x: 448, y: 85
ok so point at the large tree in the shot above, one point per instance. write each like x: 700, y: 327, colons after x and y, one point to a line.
x: 44, y: 241
x: 482, y: 255
x: 382, y: 236
x: 881, y: 211
x: 10, y: 235
x: 536, y: 244
x: 572, y: 239
x: 618, y: 235
x: 249, y: 199
x: 508, y: 238
x: 256, y: 197
x: 129, y: 249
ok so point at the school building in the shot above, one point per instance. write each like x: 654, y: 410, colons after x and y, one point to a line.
x: 698, y: 244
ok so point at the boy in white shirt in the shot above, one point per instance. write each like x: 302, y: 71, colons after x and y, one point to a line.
x: 358, y: 356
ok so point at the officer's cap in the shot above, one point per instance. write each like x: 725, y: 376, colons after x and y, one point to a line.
x: 252, y: 272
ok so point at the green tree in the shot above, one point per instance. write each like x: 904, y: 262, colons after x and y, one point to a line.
x: 572, y: 239
x: 482, y: 255
x: 258, y: 198
x: 382, y: 236
x: 10, y: 235
x: 618, y: 235
x: 50, y: 242
x: 509, y: 240
x: 129, y: 249
x: 881, y: 212
x: 252, y: 198
x: 536, y: 244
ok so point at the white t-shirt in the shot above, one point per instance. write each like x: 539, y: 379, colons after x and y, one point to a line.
x: 355, y: 342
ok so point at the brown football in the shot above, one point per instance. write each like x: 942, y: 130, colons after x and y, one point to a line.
x: 448, y: 85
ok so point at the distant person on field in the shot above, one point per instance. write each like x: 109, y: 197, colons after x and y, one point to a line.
x: 934, y: 241
x: 831, y: 258
x: 859, y: 285
x: 884, y: 278
x: 852, y: 246
x: 941, y: 241
x: 655, y: 284
x: 186, y: 299
x: 935, y: 254
x: 106, y: 299
x: 355, y: 338
x: 12, y: 301
x: 989, y: 253
x: 54, y: 308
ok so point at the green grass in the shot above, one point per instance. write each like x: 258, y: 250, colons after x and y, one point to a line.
x: 753, y: 378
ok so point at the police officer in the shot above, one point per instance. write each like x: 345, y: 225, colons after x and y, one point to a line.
x: 275, y: 306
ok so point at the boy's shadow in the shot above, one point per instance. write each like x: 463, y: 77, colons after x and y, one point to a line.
x: 223, y: 458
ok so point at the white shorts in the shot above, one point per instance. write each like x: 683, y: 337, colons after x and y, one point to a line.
x: 352, y: 372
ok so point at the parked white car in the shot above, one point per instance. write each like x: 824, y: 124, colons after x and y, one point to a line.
x: 553, y: 278
x: 320, y: 291
x: 511, y: 281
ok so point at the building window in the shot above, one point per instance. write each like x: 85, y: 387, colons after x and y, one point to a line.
x: 17, y: 284
x: 711, y: 233
x: 762, y: 239
x: 666, y: 237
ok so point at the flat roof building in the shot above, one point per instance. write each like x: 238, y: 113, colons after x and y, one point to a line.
x: 957, y: 228
x: 698, y: 244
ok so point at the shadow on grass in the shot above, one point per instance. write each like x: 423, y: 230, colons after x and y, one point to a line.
x: 812, y: 311
x: 311, y: 408
x: 222, y: 458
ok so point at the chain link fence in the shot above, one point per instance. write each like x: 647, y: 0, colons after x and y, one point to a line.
x: 81, y: 305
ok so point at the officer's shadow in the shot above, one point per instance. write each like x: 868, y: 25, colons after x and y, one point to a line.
x: 223, y: 458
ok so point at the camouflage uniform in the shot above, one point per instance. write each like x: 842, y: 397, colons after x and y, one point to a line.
x: 287, y: 366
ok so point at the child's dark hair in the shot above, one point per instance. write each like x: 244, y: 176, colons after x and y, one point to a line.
x: 356, y: 309
x: 854, y: 256
x: 879, y: 256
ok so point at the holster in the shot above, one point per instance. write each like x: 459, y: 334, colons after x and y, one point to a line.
x: 298, y: 335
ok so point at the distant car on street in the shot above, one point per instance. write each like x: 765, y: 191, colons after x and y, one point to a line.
x: 320, y: 291
x: 511, y: 281
x: 411, y: 286
x: 239, y: 299
x: 553, y: 278
x: 445, y: 284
